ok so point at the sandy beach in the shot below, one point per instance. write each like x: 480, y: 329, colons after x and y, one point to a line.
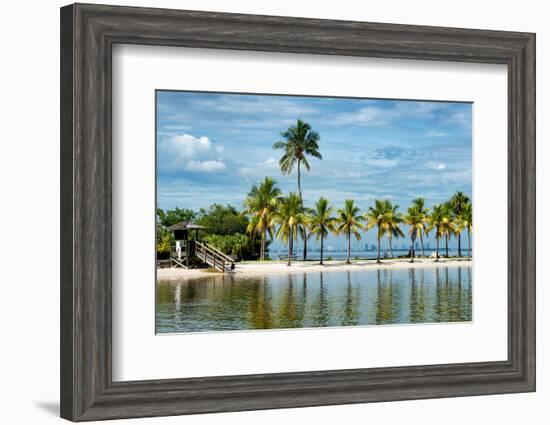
x: 280, y: 267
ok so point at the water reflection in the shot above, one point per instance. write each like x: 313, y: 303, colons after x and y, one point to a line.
x: 319, y: 299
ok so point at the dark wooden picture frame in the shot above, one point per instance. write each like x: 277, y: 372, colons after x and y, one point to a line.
x: 88, y: 33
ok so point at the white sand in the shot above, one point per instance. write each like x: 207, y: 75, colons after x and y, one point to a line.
x: 280, y: 267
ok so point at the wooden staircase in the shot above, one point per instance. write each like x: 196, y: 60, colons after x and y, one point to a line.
x: 214, y: 257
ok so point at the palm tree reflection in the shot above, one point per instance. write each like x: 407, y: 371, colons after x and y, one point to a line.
x: 384, y: 301
x: 417, y: 309
x: 321, y: 315
x: 351, y: 302
x: 415, y: 295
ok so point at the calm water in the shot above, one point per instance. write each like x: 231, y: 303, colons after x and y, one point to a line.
x: 318, y: 299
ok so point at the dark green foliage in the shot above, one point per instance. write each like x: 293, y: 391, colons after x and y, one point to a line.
x: 237, y: 245
x: 177, y: 215
x: 222, y: 220
x: 225, y: 229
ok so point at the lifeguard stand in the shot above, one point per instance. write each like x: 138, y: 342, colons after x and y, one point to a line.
x: 182, y: 248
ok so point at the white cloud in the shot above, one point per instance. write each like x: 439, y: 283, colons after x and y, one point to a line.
x: 370, y: 116
x: 440, y: 167
x: 419, y: 109
x: 205, y: 166
x: 188, y: 146
x: 185, y: 151
x: 375, y: 116
x: 243, y: 104
x: 270, y: 165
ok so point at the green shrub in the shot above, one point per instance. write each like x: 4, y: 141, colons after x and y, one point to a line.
x: 237, y: 245
x: 164, y: 240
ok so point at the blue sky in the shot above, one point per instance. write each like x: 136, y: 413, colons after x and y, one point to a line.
x: 213, y: 147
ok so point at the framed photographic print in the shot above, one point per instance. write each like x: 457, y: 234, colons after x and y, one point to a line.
x: 265, y: 212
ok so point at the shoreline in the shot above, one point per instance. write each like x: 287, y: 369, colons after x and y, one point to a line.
x: 280, y: 267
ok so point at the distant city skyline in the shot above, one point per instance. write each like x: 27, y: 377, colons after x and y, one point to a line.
x: 212, y: 147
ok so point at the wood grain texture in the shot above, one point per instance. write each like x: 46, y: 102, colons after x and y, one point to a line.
x: 88, y: 33
x: 66, y: 212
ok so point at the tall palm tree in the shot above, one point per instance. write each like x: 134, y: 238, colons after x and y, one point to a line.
x: 300, y: 141
x: 304, y: 232
x: 464, y: 221
x: 377, y: 216
x: 393, y: 220
x: 435, y: 221
x: 288, y: 216
x: 261, y: 204
x: 321, y: 221
x: 458, y: 202
x: 448, y: 225
x: 415, y: 220
x: 422, y: 211
x: 349, y: 223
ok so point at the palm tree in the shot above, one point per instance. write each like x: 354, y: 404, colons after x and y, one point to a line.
x: 448, y: 226
x: 304, y: 231
x: 464, y: 221
x: 415, y: 220
x: 418, y: 205
x: 377, y: 216
x: 436, y: 220
x: 288, y: 216
x: 261, y: 204
x: 321, y: 221
x: 349, y: 223
x: 300, y: 142
x: 393, y: 220
x: 458, y: 202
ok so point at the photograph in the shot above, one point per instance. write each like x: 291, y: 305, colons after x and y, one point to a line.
x: 265, y: 213
x: 290, y: 211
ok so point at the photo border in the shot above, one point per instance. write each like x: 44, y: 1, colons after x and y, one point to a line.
x: 239, y: 93
x: 88, y: 33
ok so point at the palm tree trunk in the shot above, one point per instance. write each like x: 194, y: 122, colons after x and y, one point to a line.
x: 422, y: 243
x: 391, y: 249
x: 447, y: 245
x: 459, y: 252
x: 469, y: 247
x: 349, y: 247
x: 300, y: 186
x: 262, y: 246
x: 305, y: 241
x: 321, y: 262
x: 378, y: 257
x: 302, y: 205
x: 436, y: 248
x: 289, y: 247
x: 412, y: 249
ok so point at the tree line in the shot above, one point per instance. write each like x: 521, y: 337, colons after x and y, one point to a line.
x: 285, y: 218
x: 268, y: 213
